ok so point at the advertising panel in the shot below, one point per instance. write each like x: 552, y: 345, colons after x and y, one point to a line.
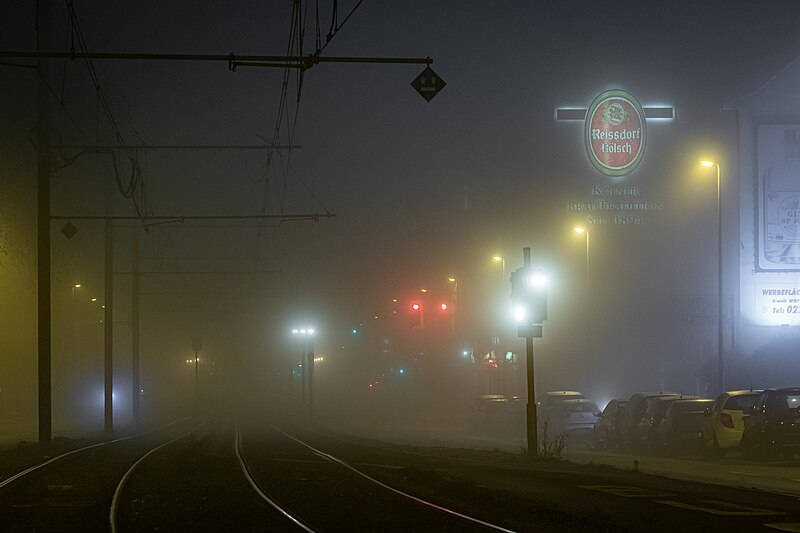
x: 778, y: 304
x: 778, y: 205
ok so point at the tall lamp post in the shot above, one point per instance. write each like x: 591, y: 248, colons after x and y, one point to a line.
x: 502, y: 261
x: 719, y: 274
x: 585, y: 231
x: 305, y: 334
x: 454, y: 281
x: 498, y: 259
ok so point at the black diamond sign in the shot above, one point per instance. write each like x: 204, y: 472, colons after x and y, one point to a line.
x: 69, y: 230
x: 428, y: 84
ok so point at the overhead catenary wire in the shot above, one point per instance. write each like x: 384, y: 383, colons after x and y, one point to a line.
x: 136, y: 188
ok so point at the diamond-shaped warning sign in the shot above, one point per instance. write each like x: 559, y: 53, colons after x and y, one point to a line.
x: 428, y: 84
x: 69, y: 230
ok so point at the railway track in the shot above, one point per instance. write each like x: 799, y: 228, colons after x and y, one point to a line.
x: 213, y: 478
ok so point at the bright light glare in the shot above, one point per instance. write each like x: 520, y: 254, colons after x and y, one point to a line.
x: 310, y: 331
x: 520, y: 313
x: 537, y: 280
x: 415, y: 307
x: 423, y: 290
x: 443, y: 306
x: 77, y: 285
x: 295, y: 331
x: 497, y: 258
x: 580, y: 230
x: 451, y: 280
x: 707, y: 163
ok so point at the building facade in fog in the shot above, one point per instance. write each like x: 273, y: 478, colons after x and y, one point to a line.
x: 769, y: 212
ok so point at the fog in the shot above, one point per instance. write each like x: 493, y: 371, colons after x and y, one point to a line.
x: 421, y: 192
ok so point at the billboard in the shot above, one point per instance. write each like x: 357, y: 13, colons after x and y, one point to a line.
x: 778, y: 199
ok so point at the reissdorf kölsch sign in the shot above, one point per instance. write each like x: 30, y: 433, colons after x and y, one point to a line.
x: 615, y: 133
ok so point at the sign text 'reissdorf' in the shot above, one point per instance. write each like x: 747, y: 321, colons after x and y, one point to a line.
x: 615, y: 133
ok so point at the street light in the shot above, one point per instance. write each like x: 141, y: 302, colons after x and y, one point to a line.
x: 719, y: 273
x: 498, y: 259
x: 304, y: 334
x: 586, y: 231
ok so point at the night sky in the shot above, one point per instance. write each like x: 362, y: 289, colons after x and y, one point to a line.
x: 421, y: 191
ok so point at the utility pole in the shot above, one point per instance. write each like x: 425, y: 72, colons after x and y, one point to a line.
x: 108, y: 319
x: 196, y: 383
x: 311, y: 385
x: 44, y: 164
x: 197, y: 346
x: 533, y: 432
x: 135, y: 332
x: 529, y: 296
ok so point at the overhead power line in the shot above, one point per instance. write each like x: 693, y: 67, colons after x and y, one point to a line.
x: 287, y: 217
x: 234, y: 61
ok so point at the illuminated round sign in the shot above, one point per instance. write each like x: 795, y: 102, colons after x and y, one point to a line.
x: 615, y: 133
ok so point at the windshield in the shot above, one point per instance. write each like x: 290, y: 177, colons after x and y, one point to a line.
x: 577, y: 407
x: 787, y: 402
x: 686, y: 407
x: 741, y: 402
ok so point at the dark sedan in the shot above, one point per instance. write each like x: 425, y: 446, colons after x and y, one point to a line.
x: 606, y: 429
x: 772, y: 428
x: 682, y: 426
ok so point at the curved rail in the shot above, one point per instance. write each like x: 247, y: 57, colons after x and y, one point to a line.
x: 431, y: 505
x: 112, y: 515
x: 67, y: 454
x: 264, y: 496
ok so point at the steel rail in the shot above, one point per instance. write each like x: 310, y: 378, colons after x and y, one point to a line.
x: 257, y: 488
x: 67, y: 454
x: 112, y: 514
x: 338, y: 461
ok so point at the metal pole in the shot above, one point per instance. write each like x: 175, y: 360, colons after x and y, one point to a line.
x: 587, y: 259
x: 43, y: 237
x: 196, y: 382
x: 108, y: 323
x: 135, y: 333
x: 303, y: 377
x: 719, y: 280
x: 311, y: 385
x: 533, y: 437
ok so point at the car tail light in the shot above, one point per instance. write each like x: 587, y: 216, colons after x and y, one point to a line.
x: 726, y: 420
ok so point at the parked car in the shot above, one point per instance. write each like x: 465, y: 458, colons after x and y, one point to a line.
x: 723, y: 427
x: 772, y: 428
x: 634, y: 411
x: 573, y: 418
x: 491, y: 413
x: 550, y: 399
x: 682, y: 426
x: 606, y: 429
x: 644, y: 437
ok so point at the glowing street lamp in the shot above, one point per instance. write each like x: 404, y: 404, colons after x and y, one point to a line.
x: 498, y: 259
x: 720, y: 379
x: 305, y: 335
x: 586, y: 231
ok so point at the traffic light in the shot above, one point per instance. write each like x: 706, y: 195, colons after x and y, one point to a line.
x: 443, y: 306
x: 416, y: 315
x: 529, y: 296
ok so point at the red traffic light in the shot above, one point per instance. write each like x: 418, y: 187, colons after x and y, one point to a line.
x: 443, y: 307
x: 415, y: 307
